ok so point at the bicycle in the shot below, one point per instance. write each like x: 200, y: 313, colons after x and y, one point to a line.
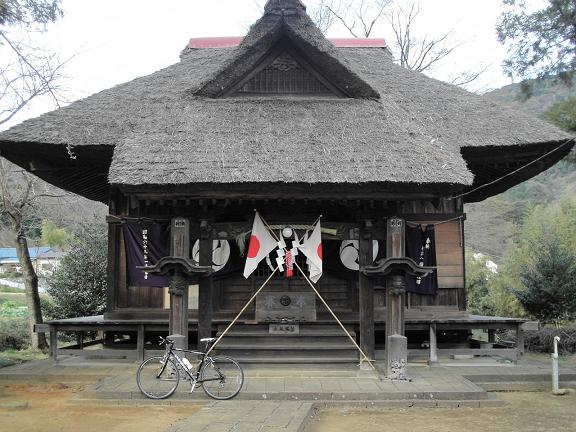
x: 158, y: 377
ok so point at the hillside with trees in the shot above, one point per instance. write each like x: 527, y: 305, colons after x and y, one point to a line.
x: 490, y: 223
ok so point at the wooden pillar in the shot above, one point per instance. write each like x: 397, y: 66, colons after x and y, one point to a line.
x: 491, y: 335
x: 395, y: 284
x: 366, y: 291
x: 179, y: 247
x: 80, y: 339
x: 519, y: 341
x: 113, y: 266
x: 396, y: 342
x: 205, y: 284
x: 54, y: 343
x: 140, y: 342
x: 433, y: 345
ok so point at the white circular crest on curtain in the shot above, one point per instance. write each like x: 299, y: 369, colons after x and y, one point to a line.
x: 349, y: 253
x: 220, y: 253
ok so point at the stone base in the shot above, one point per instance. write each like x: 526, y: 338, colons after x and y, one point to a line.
x: 397, y: 357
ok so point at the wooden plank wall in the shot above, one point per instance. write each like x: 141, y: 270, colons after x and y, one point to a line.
x: 450, y: 261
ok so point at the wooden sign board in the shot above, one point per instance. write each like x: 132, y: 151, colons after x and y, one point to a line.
x: 284, y: 329
x: 286, y: 306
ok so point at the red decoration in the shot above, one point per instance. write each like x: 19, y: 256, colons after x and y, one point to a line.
x: 289, y: 260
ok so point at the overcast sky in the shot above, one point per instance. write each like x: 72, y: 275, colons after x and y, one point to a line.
x: 115, y: 41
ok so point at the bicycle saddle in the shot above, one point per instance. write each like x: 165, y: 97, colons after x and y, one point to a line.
x: 207, y: 340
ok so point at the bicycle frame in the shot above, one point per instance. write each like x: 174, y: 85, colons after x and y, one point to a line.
x: 195, y: 375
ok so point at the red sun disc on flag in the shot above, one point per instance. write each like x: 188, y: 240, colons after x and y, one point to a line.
x: 254, y: 247
x: 319, y: 251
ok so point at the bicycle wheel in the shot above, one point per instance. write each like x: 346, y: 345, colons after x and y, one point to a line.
x: 158, y: 378
x: 221, y: 377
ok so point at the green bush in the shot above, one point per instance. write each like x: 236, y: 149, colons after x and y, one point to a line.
x: 78, y: 286
x: 542, y: 341
x: 14, y: 333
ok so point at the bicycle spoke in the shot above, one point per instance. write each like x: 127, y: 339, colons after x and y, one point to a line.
x: 222, y: 377
x: 157, y: 377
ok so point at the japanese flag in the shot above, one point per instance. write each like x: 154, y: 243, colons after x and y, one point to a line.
x: 261, y: 244
x: 312, y: 248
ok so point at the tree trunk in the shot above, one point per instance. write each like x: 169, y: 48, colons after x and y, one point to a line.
x: 31, y: 288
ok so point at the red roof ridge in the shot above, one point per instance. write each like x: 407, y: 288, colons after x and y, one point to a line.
x: 232, y: 41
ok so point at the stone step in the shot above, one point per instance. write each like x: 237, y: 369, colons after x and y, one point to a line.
x: 313, y: 343
x: 274, y: 357
x: 303, y: 333
x: 283, y: 344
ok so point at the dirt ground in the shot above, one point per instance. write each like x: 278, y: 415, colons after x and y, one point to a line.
x: 525, y: 412
x: 49, y: 410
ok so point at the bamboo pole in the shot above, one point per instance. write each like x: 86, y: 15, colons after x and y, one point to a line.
x: 242, y: 311
x: 364, y: 356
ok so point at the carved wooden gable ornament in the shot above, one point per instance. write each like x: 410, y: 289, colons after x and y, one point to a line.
x: 285, y: 54
x: 282, y: 73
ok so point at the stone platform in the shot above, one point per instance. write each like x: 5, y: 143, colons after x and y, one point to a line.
x: 282, y: 397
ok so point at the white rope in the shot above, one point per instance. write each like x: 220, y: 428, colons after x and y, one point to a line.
x: 415, y: 224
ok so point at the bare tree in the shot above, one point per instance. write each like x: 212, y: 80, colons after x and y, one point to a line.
x: 26, y: 73
x: 416, y: 53
x: 19, y: 209
x: 413, y: 50
x: 321, y: 14
x: 26, y: 70
x: 358, y: 16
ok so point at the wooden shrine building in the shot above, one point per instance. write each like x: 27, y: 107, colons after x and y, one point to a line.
x: 296, y: 126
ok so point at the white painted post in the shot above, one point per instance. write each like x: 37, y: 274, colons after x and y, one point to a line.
x: 555, y: 370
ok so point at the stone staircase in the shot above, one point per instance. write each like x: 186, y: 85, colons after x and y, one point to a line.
x: 311, y: 344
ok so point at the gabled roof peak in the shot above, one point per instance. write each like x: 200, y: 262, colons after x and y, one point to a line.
x: 286, y: 24
x: 284, y: 7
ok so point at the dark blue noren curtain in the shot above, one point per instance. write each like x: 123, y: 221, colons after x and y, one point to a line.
x: 146, y: 242
x: 421, y: 247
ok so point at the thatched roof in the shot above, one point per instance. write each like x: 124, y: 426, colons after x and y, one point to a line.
x: 397, y: 126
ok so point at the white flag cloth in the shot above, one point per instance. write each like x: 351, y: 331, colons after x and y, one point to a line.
x: 312, y: 248
x: 261, y: 244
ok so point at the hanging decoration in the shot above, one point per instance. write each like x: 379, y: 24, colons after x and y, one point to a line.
x: 310, y: 246
x: 145, y: 242
x: 349, y: 253
x: 421, y: 247
x: 220, y: 253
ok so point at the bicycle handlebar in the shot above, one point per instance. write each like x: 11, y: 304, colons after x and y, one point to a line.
x: 166, y: 341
